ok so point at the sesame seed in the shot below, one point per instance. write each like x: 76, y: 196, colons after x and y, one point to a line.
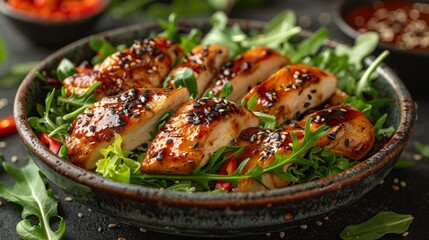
x: 3, y: 144
x: 326, y: 218
x: 80, y: 215
x: 402, y: 184
x: 14, y: 158
x: 282, y: 234
x: 112, y: 225
x: 347, y: 142
x: 3, y: 102
x: 143, y: 230
x: 195, y: 145
x: 319, y: 223
x: 68, y: 199
x: 267, y: 234
x: 417, y: 157
x: 304, y: 226
x: 395, y: 180
x: 405, y: 234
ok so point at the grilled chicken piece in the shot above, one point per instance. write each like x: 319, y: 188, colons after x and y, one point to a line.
x: 292, y: 90
x: 247, y: 70
x: 351, y: 134
x: 339, y: 97
x: 205, y: 62
x: 145, y: 64
x: 132, y: 114
x: 195, y: 131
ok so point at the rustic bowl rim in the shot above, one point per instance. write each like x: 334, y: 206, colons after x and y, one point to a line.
x: 386, y: 155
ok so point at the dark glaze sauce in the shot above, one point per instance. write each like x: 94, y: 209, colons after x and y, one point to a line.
x: 101, y: 121
x: 297, y: 77
x: 241, y: 65
x: 404, y: 24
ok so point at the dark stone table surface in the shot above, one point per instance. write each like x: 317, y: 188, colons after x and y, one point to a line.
x: 411, y: 198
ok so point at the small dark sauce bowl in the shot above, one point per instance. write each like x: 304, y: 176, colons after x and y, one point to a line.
x: 410, y: 65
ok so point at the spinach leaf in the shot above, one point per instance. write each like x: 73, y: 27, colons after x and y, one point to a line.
x: 377, y: 226
x: 103, y: 48
x: 226, y: 90
x: 65, y: 69
x: 185, y: 78
x: 29, y: 192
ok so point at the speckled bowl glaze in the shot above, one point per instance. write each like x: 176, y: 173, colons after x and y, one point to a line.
x: 204, y: 214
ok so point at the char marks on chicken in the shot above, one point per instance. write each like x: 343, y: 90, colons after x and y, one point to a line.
x: 132, y: 114
x: 247, y: 70
x: 194, y: 133
x: 292, y: 90
x: 350, y: 134
x: 145, y: 64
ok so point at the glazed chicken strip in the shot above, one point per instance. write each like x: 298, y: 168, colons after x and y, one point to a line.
x: 145, y: 64
x: 351, y: 134
x: 292, y: 90
x: 247, y: 70
x: 205, y: 62
x: 194, y: 133
x: 132, y: 114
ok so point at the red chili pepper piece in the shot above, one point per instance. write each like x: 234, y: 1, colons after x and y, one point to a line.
x: 51, y: 143
x: 228, y: 168
x: 7, y: 126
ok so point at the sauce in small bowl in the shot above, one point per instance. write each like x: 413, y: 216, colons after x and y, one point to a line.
x: 403, y: 27
x: 55, y: 10
x: 402, y: 23
x: 53, y: 23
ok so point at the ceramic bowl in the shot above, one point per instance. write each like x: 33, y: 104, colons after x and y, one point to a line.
x: 50, y: 33
x: 203, y: 214
x: 410, y: 65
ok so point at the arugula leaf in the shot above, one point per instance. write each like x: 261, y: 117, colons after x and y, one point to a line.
x: 29, y: 192
x: 377, y: 226
x: 364, y: 84
x: 266, y: 120
x: 310, y: 45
